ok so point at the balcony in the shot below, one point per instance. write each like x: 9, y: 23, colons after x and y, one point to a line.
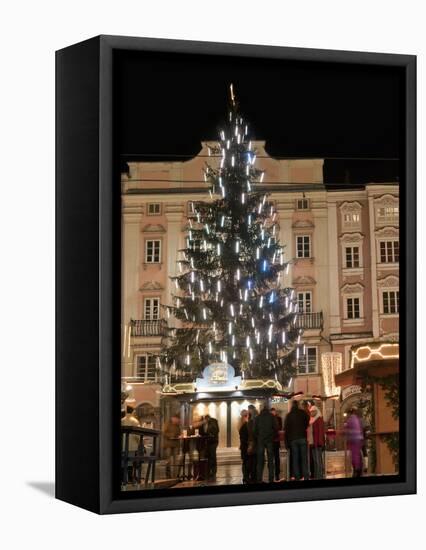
x: 142, y: 327
x: 310, y: 321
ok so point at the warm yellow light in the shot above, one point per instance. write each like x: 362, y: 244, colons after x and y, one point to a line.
x: 373, y: 351
x: 331, y: 364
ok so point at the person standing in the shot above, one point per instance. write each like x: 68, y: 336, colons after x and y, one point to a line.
x: 277, y: 443
x: 265, y: 431
x: 210, y: 428
x: 251, y: 450
x: 316, y: 438
x: 295, y: 425
x: 135, y: 442
x: 244, y: 443
x: 355, y: 440
x: 171, y: 443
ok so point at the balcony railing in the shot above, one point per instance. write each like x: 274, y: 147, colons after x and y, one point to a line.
x: 144, y: 327
x: 308, y: 321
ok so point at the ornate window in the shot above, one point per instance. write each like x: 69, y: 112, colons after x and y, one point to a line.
x: 146, y: 368
x: 154, y: 209
x: 302, y: 204
x: 387, y: 245
x: 304, y: 301
x: 389, y: 293
x: 389, y: 252
x: 353, y: 308
x: 303, y: 246
x: 151, y: 309
x: 153, y: 251
x: 353, y: 304
x: 387, y: 210
x: 308, y: 363
x: 351, y: 216
x: 352, y: 256
x: 390, y: 300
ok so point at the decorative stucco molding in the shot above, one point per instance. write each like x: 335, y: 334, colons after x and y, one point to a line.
x: 387, y: 233
x: 354, y: 288
x: 391, y: 281
x: 151, y: 285
x: 153, y: 228
x: 304, y: 280
x: 386, y: 200
x: 303, y: 224
x: 347, y: 238
x: 348, y: 207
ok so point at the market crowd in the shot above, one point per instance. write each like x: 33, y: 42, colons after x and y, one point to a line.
x: 261, y: 436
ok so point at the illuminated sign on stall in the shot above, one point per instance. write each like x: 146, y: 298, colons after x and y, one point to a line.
x: 218, y: 376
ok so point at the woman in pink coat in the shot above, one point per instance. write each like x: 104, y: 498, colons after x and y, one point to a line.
x: 355, y: 440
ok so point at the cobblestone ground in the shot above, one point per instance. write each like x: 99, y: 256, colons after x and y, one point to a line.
x: 230, y: 474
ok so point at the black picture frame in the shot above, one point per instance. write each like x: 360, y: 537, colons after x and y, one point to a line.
x: 88, y: 284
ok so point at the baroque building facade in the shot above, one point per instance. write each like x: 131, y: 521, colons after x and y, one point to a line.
x: 343, y: 247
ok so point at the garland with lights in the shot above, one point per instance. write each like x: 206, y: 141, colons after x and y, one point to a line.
x: 230, y: 305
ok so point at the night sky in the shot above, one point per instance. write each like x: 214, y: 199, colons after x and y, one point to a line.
x: 165, y: 104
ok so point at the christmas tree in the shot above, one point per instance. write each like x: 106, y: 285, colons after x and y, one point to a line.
x: 229, y: 305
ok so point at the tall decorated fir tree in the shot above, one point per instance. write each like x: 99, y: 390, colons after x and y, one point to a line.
x: 229, y: 304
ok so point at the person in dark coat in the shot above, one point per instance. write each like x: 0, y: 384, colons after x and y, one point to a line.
x: 277, y: 443
x: 251, y: 449
x: 265, y: 431
x: 210, y: 428
x: 295, y: 426
x: 244, y: 443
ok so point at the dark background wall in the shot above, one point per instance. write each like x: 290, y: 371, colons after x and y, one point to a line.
x: 348, y: 114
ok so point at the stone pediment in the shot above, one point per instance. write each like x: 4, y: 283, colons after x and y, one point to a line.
x: 153, y: 228
x: 151, y: 285
x: 303, y: 224
x: 356, y: 288
x: 387, y: 232
x: 348, y: 207
x: 347, y: 238
x: 386, y: 200
x: 391, y: 281
x: 304, y: 280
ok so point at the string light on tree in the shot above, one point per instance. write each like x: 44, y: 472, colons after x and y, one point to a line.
x: 229, y: 278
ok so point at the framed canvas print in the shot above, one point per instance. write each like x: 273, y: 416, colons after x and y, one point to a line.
x: 235, y: 274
